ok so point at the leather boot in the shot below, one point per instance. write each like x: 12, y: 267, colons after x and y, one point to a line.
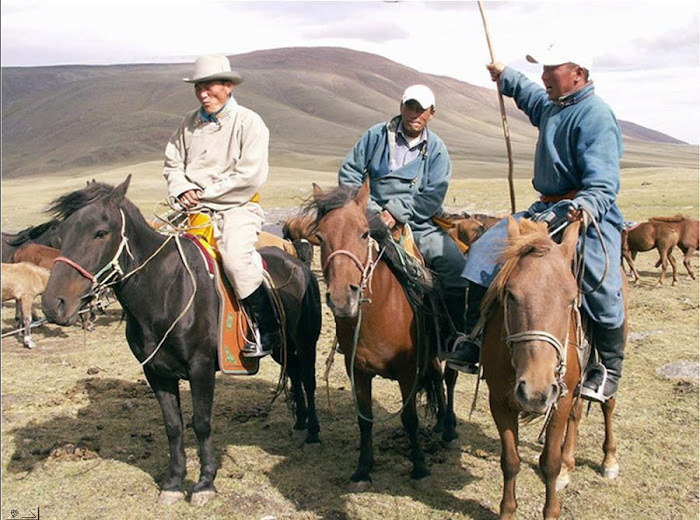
x: 601, y: 380
x: 466, y: 352
x: 260, y: 307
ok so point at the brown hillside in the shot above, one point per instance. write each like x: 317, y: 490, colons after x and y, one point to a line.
x: 316, y: 102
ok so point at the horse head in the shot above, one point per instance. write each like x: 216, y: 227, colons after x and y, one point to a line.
x: 537, y: 291
x: 93, y: 239
x: 343, y: 233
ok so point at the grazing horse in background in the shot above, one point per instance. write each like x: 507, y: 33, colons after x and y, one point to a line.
x: 646, y: 236
x: 23, y: 282
x: 530, y: 360
x: 171, y: 309
x: 46, y: 234
x: 688, y: 230
x: 381, y: 311
x: 37, y: 254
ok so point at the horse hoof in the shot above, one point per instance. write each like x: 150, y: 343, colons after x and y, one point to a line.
x: 422, y: 484
x: 563, y: 481
x: 29, y: 343
x: 299, y: 435
x: 170, y: 497
x: 611, y: 472
x: 359, y: 486
x: 202, y: 497
x: 311, y: 447
x: 452, y: 444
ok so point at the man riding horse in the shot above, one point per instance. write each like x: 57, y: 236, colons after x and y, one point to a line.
x: 577, y: 160
x: 218, y: 159
x: 409, y: 171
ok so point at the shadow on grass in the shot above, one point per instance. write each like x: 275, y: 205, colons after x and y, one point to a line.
x: 122, y: 421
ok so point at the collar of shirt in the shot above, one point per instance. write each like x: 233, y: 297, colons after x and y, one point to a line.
x: 214, y: 118
x: 576, y: 97
x: 410, y: 143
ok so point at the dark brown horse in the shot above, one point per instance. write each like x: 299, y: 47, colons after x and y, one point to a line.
x: 530, y: 359
x: 688, y: 230
x: 171, y: 308
x: 46, y: 234
x: 646, y: 236
x: 381, y: 312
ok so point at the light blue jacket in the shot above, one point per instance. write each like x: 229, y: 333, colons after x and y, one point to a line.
x: 413, y: 193
x: 579, y: 148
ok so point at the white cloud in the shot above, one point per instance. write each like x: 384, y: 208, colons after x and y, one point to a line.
x: 646, y: 53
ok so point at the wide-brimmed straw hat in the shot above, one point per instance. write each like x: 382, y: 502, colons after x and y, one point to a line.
x: 213, y: 67
x: 560, y: 53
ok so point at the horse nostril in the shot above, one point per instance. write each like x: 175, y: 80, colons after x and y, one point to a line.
x: 355, y: 288
x: 520, y: 391
x: 555, y: 391
x: 60, y: 304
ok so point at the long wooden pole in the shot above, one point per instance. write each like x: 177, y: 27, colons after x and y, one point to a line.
x: 504, y: 120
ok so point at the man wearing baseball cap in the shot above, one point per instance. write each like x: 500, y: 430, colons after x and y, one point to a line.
x: 409, y: 171
x: 577, y: 172
x: 217, y: 159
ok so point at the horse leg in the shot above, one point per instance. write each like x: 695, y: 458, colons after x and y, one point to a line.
x: 409, y: 419
x: 673, y: 267
x: 168, y: 395
x: 450, y: 433
x: 300, y: 410
x: 664, y: 265
x: 25, y: 312
x: 568, y: 456
x: 363, y: 390
x: 507, y: 423
x: 686, y: 261
x: 202, y: 388
x: 308, y: 378
x: 610, y: 466
x: 551, y: 457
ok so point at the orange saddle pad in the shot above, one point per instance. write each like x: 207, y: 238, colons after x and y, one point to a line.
x: 232, y: 323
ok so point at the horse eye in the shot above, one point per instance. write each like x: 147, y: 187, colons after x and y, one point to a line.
x: 101, y: 233
x: 318, y: 237
x: 365, y: 235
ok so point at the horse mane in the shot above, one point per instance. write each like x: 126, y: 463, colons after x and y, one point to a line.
x: 32, y: 232
x: 410, y: 278
x: 674, y: 218
x: 533, y: 239
x: 65, y: 205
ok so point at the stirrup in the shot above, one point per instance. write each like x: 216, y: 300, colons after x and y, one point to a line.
x: 597, y: 395
x: 254, y: 349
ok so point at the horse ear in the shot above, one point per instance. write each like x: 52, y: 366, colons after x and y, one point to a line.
x: 570, y: 239
x: 363, y: 194
x: 318, y: 192
x: 513, y: 227
x: 117, y: 195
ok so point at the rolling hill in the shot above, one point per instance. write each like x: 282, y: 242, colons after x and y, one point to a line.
x: 316, y: 102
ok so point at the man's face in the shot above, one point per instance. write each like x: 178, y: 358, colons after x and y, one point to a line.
x: 414, y: 117
x: 213, y: 95
x: 560, y: 80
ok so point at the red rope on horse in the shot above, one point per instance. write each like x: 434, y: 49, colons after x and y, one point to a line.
x: 75, y: 266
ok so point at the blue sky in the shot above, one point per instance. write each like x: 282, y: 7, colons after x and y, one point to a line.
x: 646, y: 54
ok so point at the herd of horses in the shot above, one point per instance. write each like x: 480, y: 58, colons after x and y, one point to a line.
x: 389, y: 322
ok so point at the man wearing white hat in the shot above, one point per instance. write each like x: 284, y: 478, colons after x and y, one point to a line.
x: 217, y: 159
x: 409, y: 171
x: 577, y: 172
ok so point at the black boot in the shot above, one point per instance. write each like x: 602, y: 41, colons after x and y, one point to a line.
x: 466, y: 352
x: 600, y: 381
x: 260, y: 306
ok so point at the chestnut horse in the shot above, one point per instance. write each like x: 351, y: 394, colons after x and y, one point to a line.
x: 530, y: 359
x: 646, y: 236
x: 46, y: 234
x: 688, y: 230
x: 380, y: 310
x: 37, y: 254
x: 23, y: 282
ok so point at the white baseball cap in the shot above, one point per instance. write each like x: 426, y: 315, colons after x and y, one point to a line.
x: 558, y: 54
x: 420, y: 93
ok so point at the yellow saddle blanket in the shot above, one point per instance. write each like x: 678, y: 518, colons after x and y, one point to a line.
x: 232, y: 323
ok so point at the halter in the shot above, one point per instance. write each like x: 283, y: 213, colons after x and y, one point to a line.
x: 366, y: 269
x: 541, y: 335
x: 112, y: 269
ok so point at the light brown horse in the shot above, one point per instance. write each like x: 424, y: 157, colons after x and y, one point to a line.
x: 23, y: 282
x: 646, y: 236
x: 688, y: 230
x: 380, y: 331
x: 530, y: 359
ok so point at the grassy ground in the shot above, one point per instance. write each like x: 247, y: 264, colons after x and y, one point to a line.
x: 83, y: 436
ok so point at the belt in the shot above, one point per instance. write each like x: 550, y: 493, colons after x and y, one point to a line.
x: 556, y: 198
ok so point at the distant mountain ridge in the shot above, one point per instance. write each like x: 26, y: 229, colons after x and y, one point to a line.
x: 316, y: 101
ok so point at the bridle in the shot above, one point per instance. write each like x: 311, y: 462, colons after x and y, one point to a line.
x: 367, y: 269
